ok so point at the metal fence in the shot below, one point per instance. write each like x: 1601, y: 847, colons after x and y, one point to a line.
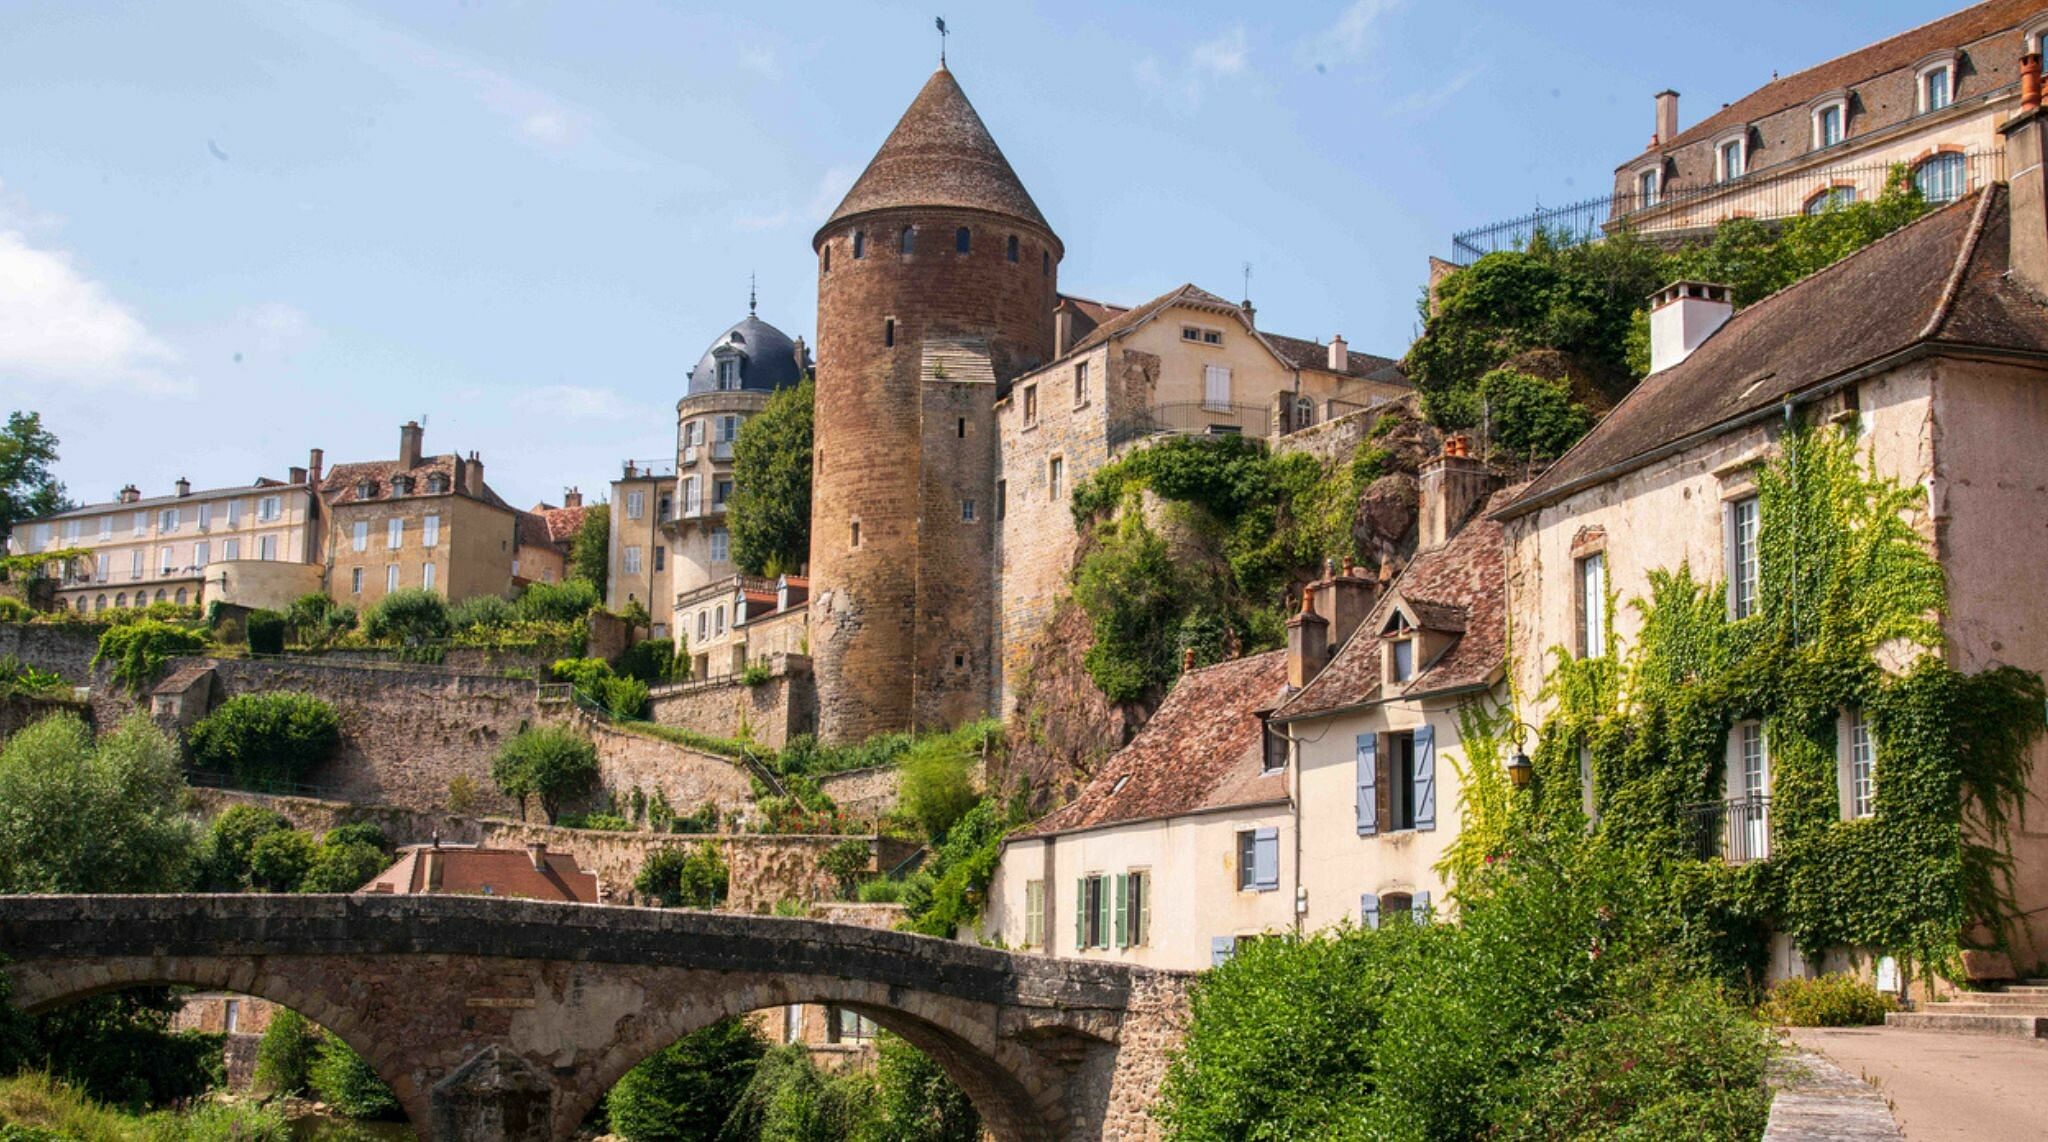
x: 1766, y: 194
x: 1737, y: 830
x: 1192, y: 418
x: 219, y: 779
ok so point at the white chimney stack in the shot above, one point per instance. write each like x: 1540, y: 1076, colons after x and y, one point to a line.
x: 1682, y: 316
x: 1340, y: 354
x: 1667, y: 117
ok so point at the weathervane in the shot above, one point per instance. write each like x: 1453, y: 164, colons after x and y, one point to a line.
x: 941, y: 21
x: 750, y: 294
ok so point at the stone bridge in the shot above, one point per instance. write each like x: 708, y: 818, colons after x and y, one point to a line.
x: 508, y: 1020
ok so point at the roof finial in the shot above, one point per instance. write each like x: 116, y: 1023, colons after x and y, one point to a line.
x: 941, y: 21
x: 750, y: 294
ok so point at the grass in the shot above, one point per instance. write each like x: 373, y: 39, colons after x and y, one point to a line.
x: 35, y: 1107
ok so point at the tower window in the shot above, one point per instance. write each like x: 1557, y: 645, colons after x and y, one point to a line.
x: 826, y: 257
x: 855, y: 534
x: 908, y: 244
x: 961, y: 428
x: 889, y: 331
x: 1046, y: 262
x: 963, y: 240
x: 966, y: 511
x: 860, y: 243
x: 959, y: 660
x: 1013, y: 248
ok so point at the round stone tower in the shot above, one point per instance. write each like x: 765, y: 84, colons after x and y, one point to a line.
x: 937, y: 278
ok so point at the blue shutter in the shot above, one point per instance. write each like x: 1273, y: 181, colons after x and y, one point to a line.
x: 1422, y: 911
x: 1368, y: 785
x: 1221, y: 949
x: 1425, y: 777
x: 1369, y: 910
x: 1266, y: 862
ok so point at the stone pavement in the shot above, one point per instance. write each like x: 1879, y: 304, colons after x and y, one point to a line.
x: 1818, y: 1101
x: 1946, y: 1086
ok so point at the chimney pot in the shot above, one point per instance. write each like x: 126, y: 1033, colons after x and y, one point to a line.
x: 1340, y: 354
x: 1187, y: 659
x: 2030, y: 82
x: 1062, y: 331
x: 573, y: 498
x: 297, y: 476
x: 184, y: 487
x: 1682, y: 316
x: 1251, y: 313
x: 130, y: 494
x: 1308, y: 641
x: 1667, y: 118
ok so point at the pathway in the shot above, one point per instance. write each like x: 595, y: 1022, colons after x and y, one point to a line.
x: 1942, y: 1086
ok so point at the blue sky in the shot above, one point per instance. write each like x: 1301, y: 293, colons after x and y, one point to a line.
x: 230, y: 232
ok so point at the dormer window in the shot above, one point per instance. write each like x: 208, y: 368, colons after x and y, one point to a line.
x: 1399, y: 635
x: 1830, y: 122
x: 401, y: 485
x: 728, y: 374
x: 365, y: 490
x: 1649, y: 181
x: 1934, y: 79
x: 1273, y: 758
x: 437, y: 483
x: 1731, y: 157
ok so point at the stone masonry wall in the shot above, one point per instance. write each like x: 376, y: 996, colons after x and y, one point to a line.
x: 686, y: 778
x: 18, y: 711
x: 60, y: 648
x: 1332, y: 441
x: 863, y: 793
x: 777, y: 710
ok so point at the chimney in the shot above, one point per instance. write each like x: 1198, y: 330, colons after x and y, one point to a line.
x: 1062, y: 331
x: 1251, y: 314
x: 184, y: 487
x: 130, y: 494
x: 2026, y: 146
x: 1667, y: 117
x: 316, y: 466
x: 297, y: 476
x: 475, y: 471
x: 1308, y: 641
x: 572, y: 498
x: 1345, y: 598
x: 537, y: 852
x: 802, y: 355
x: 1340, y: 354
x: 1453, y: 485
x: 409, y: 435
x: 1682, y: 316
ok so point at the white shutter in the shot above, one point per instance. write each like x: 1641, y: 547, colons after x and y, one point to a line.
x: 1368, y: 775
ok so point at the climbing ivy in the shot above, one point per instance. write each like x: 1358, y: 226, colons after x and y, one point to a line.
x: 1848, y: 585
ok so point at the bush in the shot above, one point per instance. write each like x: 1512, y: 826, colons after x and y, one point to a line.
x: 18, y: 677
x: 602, y: 822
x: 135, y: 653
x: 1833, y: 1000
x: 755, y: 673
x: 881, y: 890
x: 936, y: 782
x: 119, y: 1049
x: 345, y: 1082
x: 1529, y: 417
x: 284, y: 1056
x: 624, y: 697
x: 358, y: 832
x: 278, y: 862
x: 13, y: 610
x: 224, y: 855
x: 688, y: 1089
x: 481, y: 611
x: 78, y: 815
x: 790, y: 1100
x: 652, y: 660
x: 845, y: 862
x: 278, y: 736
x: 915, y: 1101
x: 566, y: 601
x: 343, y: 866
x: 266, y: 632
x: 586, y: 674
x: 549, y: 762
x: 687, y: 877
x: 410, y: 617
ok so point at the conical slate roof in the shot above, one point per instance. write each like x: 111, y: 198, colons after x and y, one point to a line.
x: 940, y: 154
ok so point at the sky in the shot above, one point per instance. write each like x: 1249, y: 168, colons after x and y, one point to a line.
x: 235, y: 230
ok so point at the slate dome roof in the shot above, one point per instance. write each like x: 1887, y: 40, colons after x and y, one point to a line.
x: 940, y: 154
x: 767, y: 358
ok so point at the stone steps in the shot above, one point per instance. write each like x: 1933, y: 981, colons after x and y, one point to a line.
x: 1986, y: 1021
x: 1995, y: 999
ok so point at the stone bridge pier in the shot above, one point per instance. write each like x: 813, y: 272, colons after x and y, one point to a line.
x: 508, y: 1020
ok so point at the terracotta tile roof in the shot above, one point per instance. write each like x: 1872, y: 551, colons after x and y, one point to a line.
x: 1900, y: 51
x: 1306, y: 354
x: 1188, y: 294
x: 1939, y: 281
x: 1088, y: 313
x: 466, y: 870
x: 532, y: 529
x: 1202, y: 750
x: 340, y: 485
x: 1293, y: 352
x: 940, y: 154
x: 562, y: 523
x: 1459, y: 587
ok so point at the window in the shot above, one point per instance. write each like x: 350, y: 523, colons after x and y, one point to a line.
x: 860, y: 244
x: 718, y: 620
x: 1258, y: 860
x: 693, y: 501
x: 1080, y: 383
x: 180, y: 597
x: 355, y: 581
x: 1045, y: 262
x: 1742, y: 557
x: 1216, y: 386
x: 205, y: 520
x: 1859, y: 785
x: 121, y: 600
x: 359, y: 537
x: 963, y: 240
x: 430, y: 531
x: 1136, y: 931
x: 164, y: 562
x: 855, y: 540
x: 269, y: 508
x: 1002, y: 498
x: 1030, y: 405
x: 1056, y: 476
x: 632, y: 560
x: 728, y: 374
x: 166, y: 520
x: 1592, y: 600
x: 231, y: 550
x: 1396, y: 781
x: 1647, y: 183
x: 1832, y: 198
x: 636, y: 504
x: 906, y: 241
x: 99, y: 603
x: 1937, y: 88
x: 1011, y: 253
x: 1092, y: 895
x: 1274, y: 757
x: 201, y: 552
x: 1730, y: 157
x: 106, y: 527
x: 721, y: 492
x: 100, y: 568
x: 826, y: 258
x: 266, y: 548
x: 135, y: 564
x: 427, y: 576
x: 234, y: 513
x: 660, y: 558
x: 1828, y: 121
x: 141, y: 524
x: 728, y: 428
x: 1034, y: 913
x: 721, y: 541
x: 394, y: 533
x: 1749, y: 827
x: 391, y: 577
x: 966, y: 511
x: 1402, y: 661
x: 437, y: 482
x: 665, y: 507
x: 1941, y: 178
x: 888, y: 331
x: 703, y: 625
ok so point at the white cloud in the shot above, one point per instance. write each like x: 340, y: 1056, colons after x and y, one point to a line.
x: 1183, y: 83
x: 1351, y: 36
x: 1223, y: 55
x: 1419, y: 101
x: 59, y: 326
x: 577, y: 402
x: 762, y: 61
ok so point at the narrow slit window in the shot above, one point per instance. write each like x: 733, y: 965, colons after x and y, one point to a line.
x: 963, y: 240
x: 1012, y: 252
x: 889, y: 331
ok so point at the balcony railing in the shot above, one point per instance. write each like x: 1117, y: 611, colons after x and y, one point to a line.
x: 1767, y: 194
x: 1737, y: 830
x: 647, y: 469
x: 1192, y: 418
x: 721, y: 450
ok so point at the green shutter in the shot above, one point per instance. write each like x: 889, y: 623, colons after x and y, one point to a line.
x: 1080, y: 913
x: 1102, y: 911
x: 1123, y: 910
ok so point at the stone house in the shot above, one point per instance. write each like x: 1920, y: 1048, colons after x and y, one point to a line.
x: 533, y: 873
x: 643, y: 533
x: 727, y: 623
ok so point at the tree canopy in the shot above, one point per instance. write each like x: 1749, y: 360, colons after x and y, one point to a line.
x: 83, y: 816
x: 590, y: 550
x: 770, y: 510
x: 27, y: 488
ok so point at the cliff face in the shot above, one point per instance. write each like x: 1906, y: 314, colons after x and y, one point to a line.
x: 1063, y: 726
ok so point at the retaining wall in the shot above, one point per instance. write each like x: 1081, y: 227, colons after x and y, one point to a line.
x: 61, y: 648
x: 771, y: 713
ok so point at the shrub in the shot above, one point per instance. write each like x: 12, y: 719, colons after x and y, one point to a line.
x: 314, y: 618
x: 345, y: 1081
x: 755, y: 673
x: 343, y: 867
x: 410, y: 617
x: 18, y: 677
x: 13, y: 610
x: 566, y: 601
x: 879, y: 891
x: 266, y: 632
x: 936, y: 782
x: 1530, y: 417
x: 688, y: 1089
x: 694, y: 876
x: 119, y: 1048
x: 463, y: 795
x: 915, y: 1100
x: 284, y: 1056
x: 845, y: 862
x: 549, y: 762
x: 601, y: 822
x: 586, y: 674
x: 279, y: 861
x: 277, y: 736
x: 358, y: 832
x: 78, y: 815
x: 224, y: 855
x: 135, y: 652
x: 651, y: 660
x: 624, y: 697
x: 481, y: 611
x: 1833, y: 1000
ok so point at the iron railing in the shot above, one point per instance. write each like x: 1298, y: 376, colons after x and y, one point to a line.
x: 1192, y: 418
x: 1737, y: 830
x: 1768, y: 194
x: 647, y: 469
x: 217, y: 779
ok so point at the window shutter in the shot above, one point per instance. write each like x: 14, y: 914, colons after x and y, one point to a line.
x: 1369, y: 910
x: 1266, y: 866
x: 1368, y: 785
x: 1425, y: 777
x: 1123, y: 910
x: 1422, y: 911
x: 1081, y: 913
x: 1101, y: 912
x: 1728, y: 554
x: 1220, y: 949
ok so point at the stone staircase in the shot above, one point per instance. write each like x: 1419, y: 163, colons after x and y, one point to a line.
x: 2018, y: 1010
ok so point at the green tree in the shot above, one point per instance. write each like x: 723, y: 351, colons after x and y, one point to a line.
x: 119, y: 1048
x: 135, y: 652
x: 1133, y: 592
x: 84, y: 816
x: 770, y: 510
x: 551, y: 763
x: 28, y: 489
x: 342, y: 866
x: 278, y: 862
x: 915, y: 1101
x: 936, y: 777
x: 284, y: 1056
x: 1528, y: 417
x: 265, y: 738
x: 559, y: 602
x: 410, y: 616
x: 691, y: 877
x: 590, y: 550
x: 224, y: 854
x: 687, y: 1090
x: 345, y: 1081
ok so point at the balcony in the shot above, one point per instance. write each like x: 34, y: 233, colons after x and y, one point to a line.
x: 1737, y: 830
x: 647, y: 469
x: 1192, y: 418
x: 721, y: 450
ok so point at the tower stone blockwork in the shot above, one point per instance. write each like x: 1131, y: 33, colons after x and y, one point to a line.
x: 937, y: 278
